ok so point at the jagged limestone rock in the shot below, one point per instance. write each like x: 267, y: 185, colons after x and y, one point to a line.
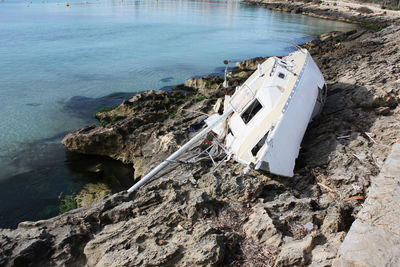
x: 261, y: 227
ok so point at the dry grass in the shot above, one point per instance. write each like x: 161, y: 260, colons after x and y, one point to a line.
x: 298, y: 231
x: 241, y: 251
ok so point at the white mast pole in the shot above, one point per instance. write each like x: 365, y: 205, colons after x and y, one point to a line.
x: 180, y: 151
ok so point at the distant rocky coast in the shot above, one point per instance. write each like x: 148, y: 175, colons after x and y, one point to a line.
x: 192, y: 215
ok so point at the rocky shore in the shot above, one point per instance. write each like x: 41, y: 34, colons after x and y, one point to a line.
x: 366, y: 14
x: 192, y: 215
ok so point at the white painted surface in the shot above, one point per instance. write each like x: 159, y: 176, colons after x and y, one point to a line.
x: 284, y: 146
x: 288, y: 95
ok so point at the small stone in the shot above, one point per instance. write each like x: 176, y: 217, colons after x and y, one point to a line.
x: 333, y: 220
x: 161, y: 242
x: 309, y: 226
x: 295, y: 252
x: 179, y: 227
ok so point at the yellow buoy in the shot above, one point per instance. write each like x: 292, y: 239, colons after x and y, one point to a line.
x: 66, y: 4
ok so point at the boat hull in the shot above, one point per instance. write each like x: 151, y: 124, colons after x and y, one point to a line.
x: 304, y: 103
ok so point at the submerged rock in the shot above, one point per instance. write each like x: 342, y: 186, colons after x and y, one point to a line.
x: 91, y: 193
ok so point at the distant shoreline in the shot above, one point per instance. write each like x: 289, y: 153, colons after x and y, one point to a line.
x: 364, y: 14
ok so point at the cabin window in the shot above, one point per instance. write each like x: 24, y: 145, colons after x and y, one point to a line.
x: 259, y: 145
x: 251, y: 111
x: 281, y: 75
x: 241, y: 98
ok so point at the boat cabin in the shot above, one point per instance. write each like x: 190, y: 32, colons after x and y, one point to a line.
x: 262, y: 103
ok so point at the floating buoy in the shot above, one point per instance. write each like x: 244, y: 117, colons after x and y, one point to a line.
x: 67, y: 4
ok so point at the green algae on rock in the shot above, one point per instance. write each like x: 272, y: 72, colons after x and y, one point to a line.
x: 91, y: 193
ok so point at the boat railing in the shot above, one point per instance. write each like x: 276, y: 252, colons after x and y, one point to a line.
x: 180, y: 151
x: 294, y: 90
x: 273, y: 67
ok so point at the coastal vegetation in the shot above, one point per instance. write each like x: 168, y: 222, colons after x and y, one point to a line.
x: 390, y: 8
x: 371, y: 26
x: 67, y: 203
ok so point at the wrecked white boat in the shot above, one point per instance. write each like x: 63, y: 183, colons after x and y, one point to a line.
x: 264, y: 121
x: 271, y: 111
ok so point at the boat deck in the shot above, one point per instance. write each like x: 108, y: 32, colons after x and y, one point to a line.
x: 273, y: 92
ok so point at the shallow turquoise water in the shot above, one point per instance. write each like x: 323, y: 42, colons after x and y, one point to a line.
x: 56, y: 61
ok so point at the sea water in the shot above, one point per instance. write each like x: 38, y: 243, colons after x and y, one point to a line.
x: 60, y: 63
